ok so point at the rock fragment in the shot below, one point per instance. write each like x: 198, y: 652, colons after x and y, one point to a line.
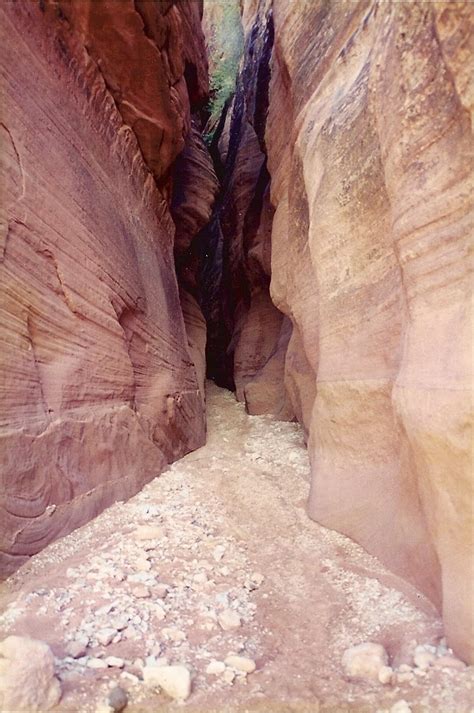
x: 27, y: 680
x: 105, y: 636
x: 148, y: 532
x: 400, y: 707
x: 117, y: 699
x: 78, y: 647
x: 385, y: 674
x: 229, y: 620
x: 174, y: 680
x: 241, y: 663
x: 364, y: 660
x: 96, y: 663
x: 215, y: 667
x: 114, y: 662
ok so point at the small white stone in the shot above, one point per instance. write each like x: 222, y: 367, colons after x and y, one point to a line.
x: 229, y: 620
x: 114, y: 662
x: 141, y: 592
x: 364, y: 660
x: 216, y: 667
x: 159, y: 612
x: 77, y: 648
x: 241, y: 663
x: 424, y: 659
x: 127, y: 676
x: 174, y: 634
x: 174, y: 680
x: 96, y: 663
x: 119, y: 622
x: 148, y: 532
x: 218, y: 552
x: 105, y: 636
x: 104, y: 708
x: 142, y: 565
x: 228, y: 676
x: 385, y: 674
x: 400, y: 707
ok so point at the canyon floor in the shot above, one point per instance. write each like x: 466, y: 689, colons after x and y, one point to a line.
x: 215, y: 557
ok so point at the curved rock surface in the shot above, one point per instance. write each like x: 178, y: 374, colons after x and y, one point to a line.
x: 369, y: 148
x: 98, y: 390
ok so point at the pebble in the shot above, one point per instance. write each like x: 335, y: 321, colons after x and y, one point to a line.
x: 229, y: 620
x: 141, y: 592
x: 114, y: 662
x: 159, y: 612
x: 105, y: 636
x: 216, y: 667
x: 161, y: 590
x: 119, y: 623
x: 174, y: 680
x: 424, y: 659
x: 117, y: 699
x: 77, y: 648
x: 228, y: 676
x: 241, y: 663
x: 142, y: 565
x: 148, y: 532
x: 218, y: 552
x: 173, y: 634
x: 127, y: 676
x: 400, y: 707
x: 364, y: 660
x: 385, y: 674
x: 96, y: 663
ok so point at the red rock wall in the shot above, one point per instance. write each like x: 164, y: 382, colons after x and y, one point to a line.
x: 98, y: 390
x: 369, y: 147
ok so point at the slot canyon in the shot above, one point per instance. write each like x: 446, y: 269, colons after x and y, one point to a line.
x: 236, y: 356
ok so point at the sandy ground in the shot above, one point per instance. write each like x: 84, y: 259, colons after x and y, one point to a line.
x: 231, y: 534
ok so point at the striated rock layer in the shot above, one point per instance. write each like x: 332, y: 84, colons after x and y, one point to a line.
x: 98, y: 389
x: 369, y: 148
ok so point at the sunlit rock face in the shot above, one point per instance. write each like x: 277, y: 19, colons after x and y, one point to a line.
x: 98, y: 387
x: 369, y: 148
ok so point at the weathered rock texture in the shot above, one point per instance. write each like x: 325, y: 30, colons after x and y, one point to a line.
x: 98, y: 388
x: 369, y: 147
x: 247, y: 335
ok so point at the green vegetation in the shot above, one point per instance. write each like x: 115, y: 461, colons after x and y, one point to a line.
x: 225, y: 45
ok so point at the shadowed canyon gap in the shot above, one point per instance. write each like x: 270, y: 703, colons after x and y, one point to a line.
x: 323, y: 237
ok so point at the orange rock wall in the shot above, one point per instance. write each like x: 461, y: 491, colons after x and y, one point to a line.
x: 98, y: 390
x: 370, y: 151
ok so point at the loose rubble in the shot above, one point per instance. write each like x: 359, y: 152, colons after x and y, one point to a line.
x: 224, y: 610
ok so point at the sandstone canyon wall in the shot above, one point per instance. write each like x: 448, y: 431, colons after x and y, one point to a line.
x: 99, y: 388
x: 365, y: 131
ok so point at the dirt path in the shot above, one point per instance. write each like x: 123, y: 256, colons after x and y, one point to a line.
x: 233, y: 547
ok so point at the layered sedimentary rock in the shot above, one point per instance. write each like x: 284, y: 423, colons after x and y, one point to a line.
x: 195, y: 189
x: 98, y: 388
x: 247, y: 335
x: 369, y: 148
